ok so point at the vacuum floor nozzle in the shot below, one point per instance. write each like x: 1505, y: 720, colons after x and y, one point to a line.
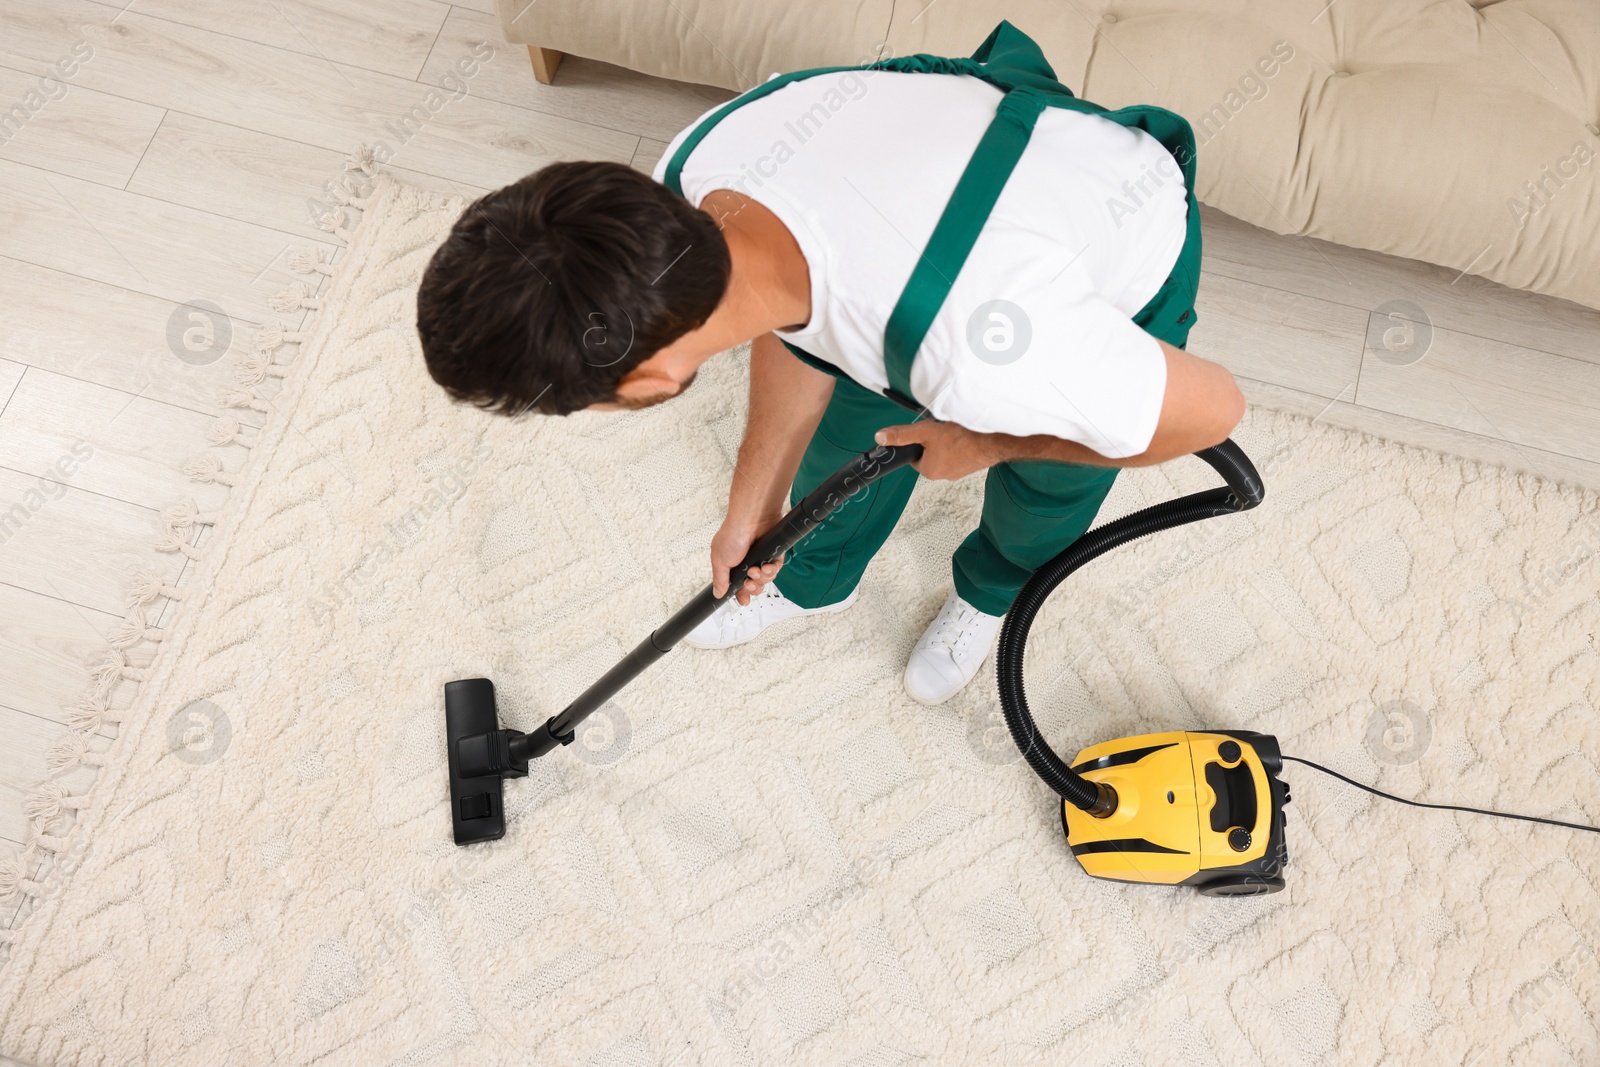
x: 476, y: 791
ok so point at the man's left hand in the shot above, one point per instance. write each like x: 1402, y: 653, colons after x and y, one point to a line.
x: 948, y: 451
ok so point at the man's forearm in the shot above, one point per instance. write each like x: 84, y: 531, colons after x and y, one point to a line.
x: 1060, y: 450
x: 787, y: 400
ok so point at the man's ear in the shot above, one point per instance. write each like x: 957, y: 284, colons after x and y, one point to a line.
x: 645, y: 381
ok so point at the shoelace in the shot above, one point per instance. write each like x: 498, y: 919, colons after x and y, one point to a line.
x: 961, y: 621
x: 739, y: 611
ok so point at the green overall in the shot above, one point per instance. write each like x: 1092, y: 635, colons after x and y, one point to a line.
x: 1031, y: 509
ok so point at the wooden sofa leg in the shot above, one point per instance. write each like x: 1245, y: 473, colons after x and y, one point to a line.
x: 545, y: 62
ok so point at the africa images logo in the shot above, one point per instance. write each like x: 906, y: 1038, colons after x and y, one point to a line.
x: 999, y: 332
x: 199, y: 733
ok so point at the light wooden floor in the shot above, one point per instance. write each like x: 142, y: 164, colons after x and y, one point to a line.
x: 178, y: 167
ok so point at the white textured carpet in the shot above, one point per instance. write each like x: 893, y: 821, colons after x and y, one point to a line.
x: 770, y: 855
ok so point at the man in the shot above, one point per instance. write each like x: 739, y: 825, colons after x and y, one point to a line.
x: 813, y: 211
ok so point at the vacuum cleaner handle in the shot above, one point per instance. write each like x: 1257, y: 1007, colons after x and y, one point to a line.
x: 790, y: 530
x: 823, y: 501
x: 804, y: 517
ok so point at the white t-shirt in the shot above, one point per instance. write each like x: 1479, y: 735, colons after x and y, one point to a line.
x: 859, y: 166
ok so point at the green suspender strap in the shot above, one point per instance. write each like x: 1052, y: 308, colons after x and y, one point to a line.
x: 1011, y: 61
x: 956, y: 232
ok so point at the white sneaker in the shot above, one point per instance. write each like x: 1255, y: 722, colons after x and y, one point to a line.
x: 734, y: 623
x: 950, y: 651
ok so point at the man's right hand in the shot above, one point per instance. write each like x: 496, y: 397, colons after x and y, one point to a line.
x: 787, y: 399
x: 728, y: 549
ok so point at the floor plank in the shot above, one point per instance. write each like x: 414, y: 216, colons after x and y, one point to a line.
x: 47, y: 649
x: 10, y: 375
x: 388, y: 36
x: 143, y: 244
x: 1367, y: 280
x: 305, y: 98
x: 255, y: 177
x: 586, y: 89
x: 90, y: 135
x: 135, y: 446
x: 1493, y: 389
x: 1306, y: 343
x: 106, y: 334
x: 648, y: 154
x: 1455, y: 442
x: 59, y: 540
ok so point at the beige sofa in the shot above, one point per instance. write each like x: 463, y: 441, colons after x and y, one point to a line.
x: 1455, y: 132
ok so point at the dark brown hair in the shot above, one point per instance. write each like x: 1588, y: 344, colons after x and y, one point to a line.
x: 548, y: 291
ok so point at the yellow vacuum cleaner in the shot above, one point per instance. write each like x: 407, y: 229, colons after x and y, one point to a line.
x: 1203, y: 809
x: 1195, y: 808
x: 1200, y: 809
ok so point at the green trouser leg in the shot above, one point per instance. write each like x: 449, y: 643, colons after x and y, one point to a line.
x: 1031, y: 510
x: 827, y: 564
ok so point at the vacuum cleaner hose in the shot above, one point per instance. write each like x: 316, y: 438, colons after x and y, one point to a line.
x: 1244, y: 491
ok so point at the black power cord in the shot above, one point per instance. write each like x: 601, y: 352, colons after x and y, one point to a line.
x: 1443, y: 807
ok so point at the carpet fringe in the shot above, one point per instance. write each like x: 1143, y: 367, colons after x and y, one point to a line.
x: 26, y: 875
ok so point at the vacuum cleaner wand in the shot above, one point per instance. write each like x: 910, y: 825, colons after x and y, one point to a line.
x: 482, y: 755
